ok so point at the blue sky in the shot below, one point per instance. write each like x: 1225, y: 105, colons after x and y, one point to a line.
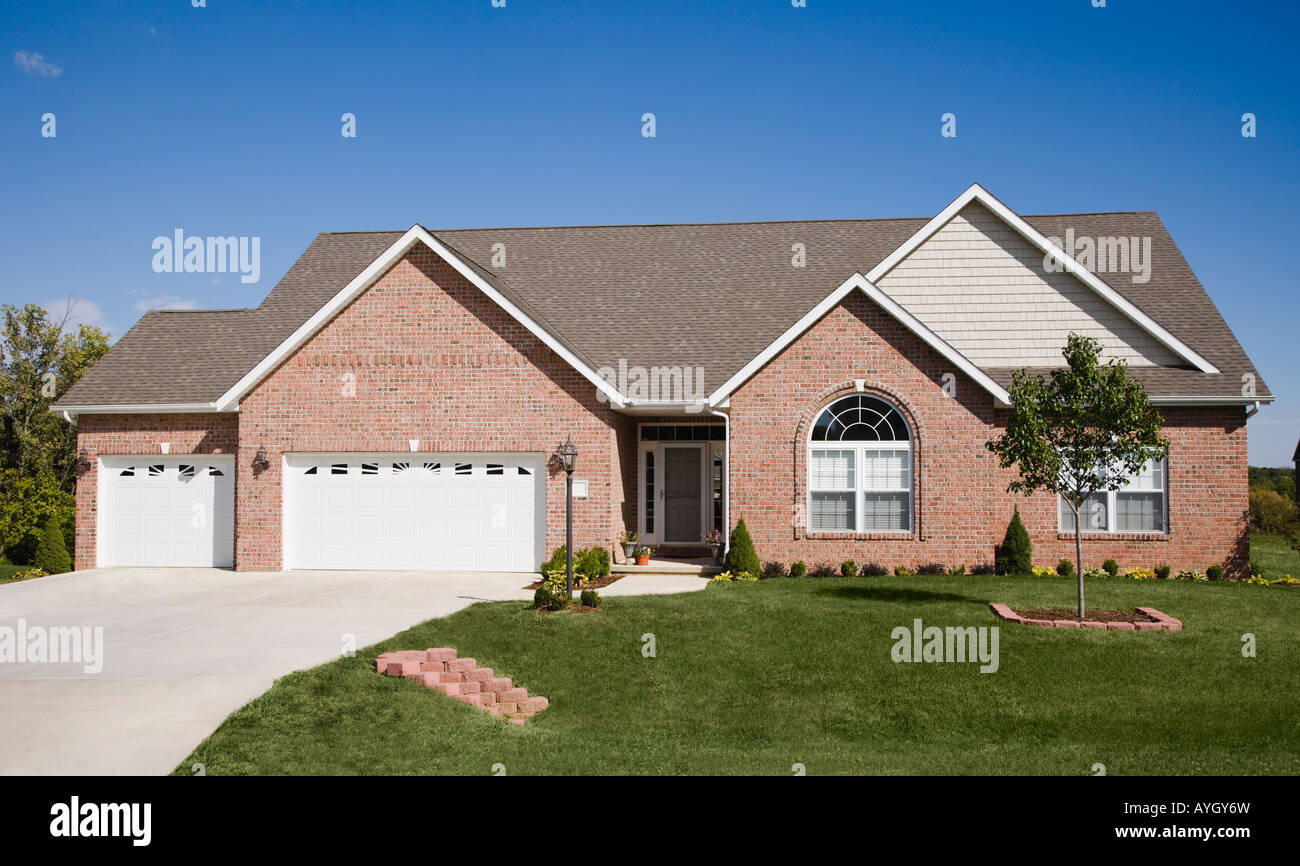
x: 225, y: 120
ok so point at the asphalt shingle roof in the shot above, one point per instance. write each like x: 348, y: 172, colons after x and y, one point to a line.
x: 711, y: 295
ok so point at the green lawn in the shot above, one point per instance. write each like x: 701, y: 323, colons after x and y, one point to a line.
x: 1275, y: 555
x: 8, y: 571
x: 753, y: 678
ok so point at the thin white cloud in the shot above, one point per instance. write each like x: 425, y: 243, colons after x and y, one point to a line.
x: 36, y: 64
x: 78, y: 312
x: 166, y: 302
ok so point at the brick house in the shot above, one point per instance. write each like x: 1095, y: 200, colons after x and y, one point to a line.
x: 397, y: 399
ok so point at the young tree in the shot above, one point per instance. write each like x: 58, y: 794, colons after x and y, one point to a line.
x: 1086, y: 429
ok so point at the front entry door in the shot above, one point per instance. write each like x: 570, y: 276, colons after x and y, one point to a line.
x: 683, y: 493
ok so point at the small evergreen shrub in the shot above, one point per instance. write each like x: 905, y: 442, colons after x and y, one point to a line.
x: 798, y: 569
x: 590, y: 598
x: 849, y: 568
x: 51, y: 553
x: 558, y: 560
x: 742, y: 557
x: 1162, y: 571
x: 1065, y: 568
x: 1111, y: 567
x: 1016, y: 553
x: 772, y: 569
x: 872, y: 569
x: 1215, y: 572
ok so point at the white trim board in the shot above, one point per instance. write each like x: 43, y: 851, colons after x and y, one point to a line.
x: 890, y: 306
x: 365, y: 279
x: 977, y: 193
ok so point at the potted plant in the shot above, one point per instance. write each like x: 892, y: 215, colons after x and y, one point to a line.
x: 714, y: 540
x: 642, y: 554
x: 629, y: 541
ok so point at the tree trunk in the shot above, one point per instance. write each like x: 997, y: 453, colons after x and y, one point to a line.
x: 1078, y: 559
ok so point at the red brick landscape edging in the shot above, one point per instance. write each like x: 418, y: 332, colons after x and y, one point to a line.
x: 463, y: 680
x: 1163, y: 621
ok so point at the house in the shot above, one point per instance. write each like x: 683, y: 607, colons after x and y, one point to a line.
x: 397, y: 399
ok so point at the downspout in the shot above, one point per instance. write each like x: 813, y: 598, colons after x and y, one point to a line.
x: 726, y: 481
x: 1252, y: 410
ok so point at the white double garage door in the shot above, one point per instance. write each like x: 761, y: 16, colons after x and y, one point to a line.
x: 456, y: 512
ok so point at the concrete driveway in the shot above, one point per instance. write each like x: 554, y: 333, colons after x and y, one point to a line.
x: 184, y: 648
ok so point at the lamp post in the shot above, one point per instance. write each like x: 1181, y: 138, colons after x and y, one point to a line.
x: 568, y: 457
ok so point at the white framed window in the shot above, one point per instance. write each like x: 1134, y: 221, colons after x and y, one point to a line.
x: 860, y: 468
x: 1141, y: 505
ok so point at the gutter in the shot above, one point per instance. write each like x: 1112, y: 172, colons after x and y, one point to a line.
x: 726, y: 480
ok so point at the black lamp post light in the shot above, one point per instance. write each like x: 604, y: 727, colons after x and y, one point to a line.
x: 568, y: 453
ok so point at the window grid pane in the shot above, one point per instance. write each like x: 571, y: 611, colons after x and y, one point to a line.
x: 832, y: 512
x: 832, y: 470
x: 885, y: 512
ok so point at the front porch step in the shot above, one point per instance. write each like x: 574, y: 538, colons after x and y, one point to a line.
x: 662, y: 567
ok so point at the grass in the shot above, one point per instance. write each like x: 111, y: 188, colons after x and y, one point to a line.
x: 753, y: 678
x: 1275, y: 555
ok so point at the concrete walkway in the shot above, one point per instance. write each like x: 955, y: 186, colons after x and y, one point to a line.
x: 184, y: 648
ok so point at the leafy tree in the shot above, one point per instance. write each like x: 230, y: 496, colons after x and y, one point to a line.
x: 52, y: 553
x: 38, y: 448
x: 1085, y: 429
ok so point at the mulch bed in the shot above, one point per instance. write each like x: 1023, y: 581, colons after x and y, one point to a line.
x: 1092, y: 615
x: 598, y: 583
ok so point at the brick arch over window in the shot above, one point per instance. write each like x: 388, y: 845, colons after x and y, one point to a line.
x: 813, y: 409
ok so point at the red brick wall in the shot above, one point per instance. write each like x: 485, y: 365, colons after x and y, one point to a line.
x: 430, y: 358
x: 139, y: 434
x: 960, y: 507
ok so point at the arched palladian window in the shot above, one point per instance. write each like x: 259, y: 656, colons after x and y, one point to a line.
x: 860, y: 468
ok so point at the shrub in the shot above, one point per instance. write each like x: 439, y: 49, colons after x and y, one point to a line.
x: 1065, y: 568
x: 1270, y: 511
x: 1016, y: 554
x: 728, y: 577
x: 772, y: 569
x: 1286, y: 581
x: 1043, y: 571
x: 822, y: 569
x: 1256, y: 580
x: 1111, y: 567
x: 872, y: 569
x: 558, y: 560
x: 1162, y: 571
x: 29, y: 573
x: 798, y: 569
x: 1140, y: 574
x: 849, y: 568
x: 957, y: 570
x: 742, y: 556
x: 903, y: 571
x: 592, y: 562
x: 931, y: 568
x: 1190, y: 575
x: 1215, y: 572
x: 51, y: 553
x: 983, y: 568
x: 590, y: 598
x: 1095, y: 573
x: 552, y: 594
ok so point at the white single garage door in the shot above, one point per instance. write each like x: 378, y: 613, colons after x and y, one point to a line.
x: 455, y: 512
x: 167, y: 511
